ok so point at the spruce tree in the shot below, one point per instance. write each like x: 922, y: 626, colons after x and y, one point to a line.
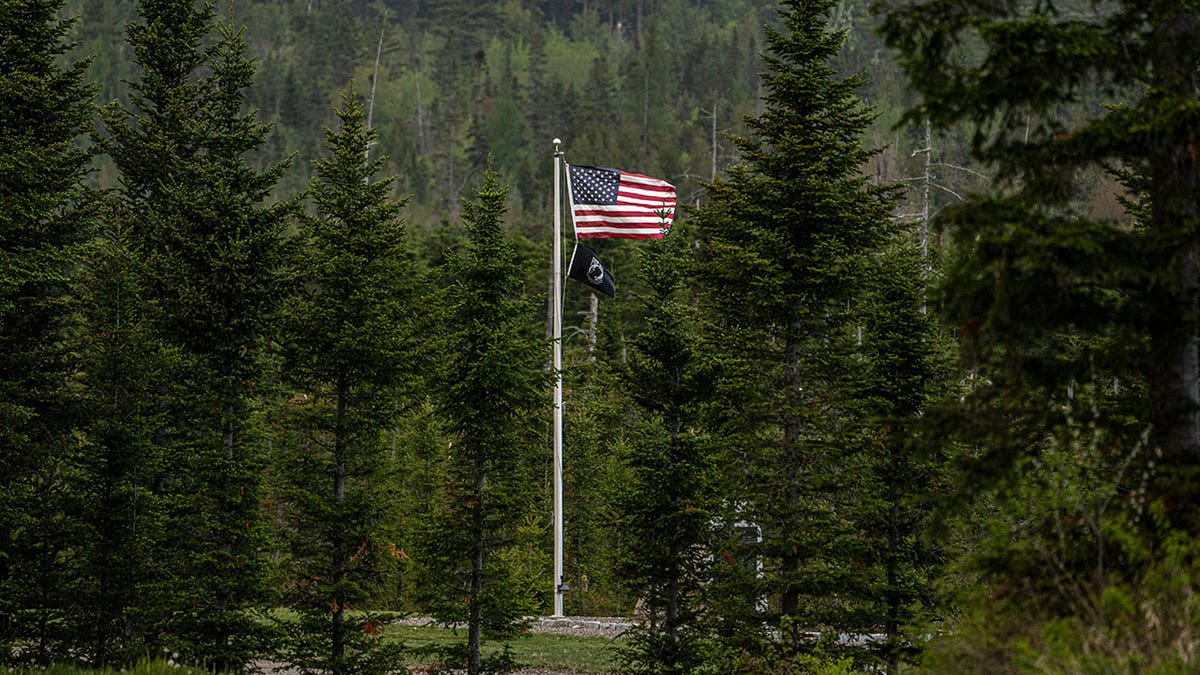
x: 667, y: 507
x: 492, y: 393
x: 595, y: 475
x: 1045, y: 294
x: 352, y: 334
x: 212, y: 248
x: 116, y: 614
x: 45, y: 106
x: 902, y: 480
x: 784, y: 246
x: 1079, y: 330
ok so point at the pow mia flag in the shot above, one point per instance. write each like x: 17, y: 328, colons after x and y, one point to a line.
x: 586, y: 267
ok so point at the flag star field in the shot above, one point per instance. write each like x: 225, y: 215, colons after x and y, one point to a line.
x: 591, y: 185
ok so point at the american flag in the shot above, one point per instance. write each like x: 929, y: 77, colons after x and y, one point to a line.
x: 615, y: 204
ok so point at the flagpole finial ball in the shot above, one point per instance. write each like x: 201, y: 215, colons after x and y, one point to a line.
x: 558, y: 141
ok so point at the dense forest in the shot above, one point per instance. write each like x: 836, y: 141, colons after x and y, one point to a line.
x: 911, y: 383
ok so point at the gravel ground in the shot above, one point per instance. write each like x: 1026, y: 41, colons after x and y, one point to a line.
x: 582, y: 626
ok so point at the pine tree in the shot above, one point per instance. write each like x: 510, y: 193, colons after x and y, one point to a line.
x: 116, y: 614
x: 1079, y: 328
x: 594, y: 477
x: 667, y: 508
x: 352, y: 340
x: 784, y: 245
x: 492, y: 395
x: 1045, y: 294
x: 212, y: 249
x: 903, y: 480
x: 45, y: 106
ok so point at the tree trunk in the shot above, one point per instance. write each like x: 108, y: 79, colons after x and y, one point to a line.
x: 475, y: 618
x: 673, y: 592
x: 1175, y: 191
x: 791, y: 463
x: 593, y: 324
x: 645, y: 109
x: 338, y: 622
x: 891, y: 564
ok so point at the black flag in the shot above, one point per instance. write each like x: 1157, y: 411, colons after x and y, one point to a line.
x: 586, y: 267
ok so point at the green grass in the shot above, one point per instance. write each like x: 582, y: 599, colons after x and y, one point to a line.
x: 149, y: 668
x: 590, y: 655
x: 558, y: 652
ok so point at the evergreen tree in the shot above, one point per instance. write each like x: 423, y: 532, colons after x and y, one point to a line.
x: 1080, y: 328
x: 45, y: 106
x: 667, y: 507
x: 1045, y: 294
x: 492, y: 394
x: 902, y: 481
x: 212, y: 251
x: 352, y: 333
x: 594, y: 478
x: 328, y: 44
x: 121, y: 362
x: 784, y: 246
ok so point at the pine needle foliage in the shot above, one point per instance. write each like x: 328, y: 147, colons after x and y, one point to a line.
x: 118, y: 613
x: 1046, y: 293
x: 45, y: 107
x: 352, y: 328
x: 492, y: 395
x: 212, y: 246
x: 1080, y: 328
x: 902, y: 480
x: 668, y: 504
x: 784, y: 253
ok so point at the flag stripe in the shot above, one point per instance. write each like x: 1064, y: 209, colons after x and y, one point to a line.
x: 637, y: 230
x: 645, y: 200
x: 654, y: 186
x: 617, y: 216
x: 619, y: 232
x: 643, y: 178
x: 634, y: 191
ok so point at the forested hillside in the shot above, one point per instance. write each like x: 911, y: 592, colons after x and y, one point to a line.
x: 911, y: 382
x: 655, y: 85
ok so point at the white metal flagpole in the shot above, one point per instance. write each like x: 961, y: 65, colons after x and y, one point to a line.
x: 556, y: 304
